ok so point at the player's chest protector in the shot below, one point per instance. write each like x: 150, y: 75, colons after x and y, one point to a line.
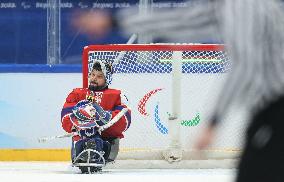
x: 107, y: 98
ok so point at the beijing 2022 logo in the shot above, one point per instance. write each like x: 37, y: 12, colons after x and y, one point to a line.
x: 158, y: 123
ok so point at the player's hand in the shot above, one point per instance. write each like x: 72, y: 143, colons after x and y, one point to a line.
x: 102, y: 116
x: 88, y: 110
x: 84, y: 111
x: 91, y: 114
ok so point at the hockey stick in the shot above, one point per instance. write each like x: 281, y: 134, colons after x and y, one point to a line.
x: 114, y: 120
x: 100, y: 128
x: 45, y: 139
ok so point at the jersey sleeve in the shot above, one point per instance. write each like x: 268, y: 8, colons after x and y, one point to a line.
x: 117, y: 130
x: 71, y: 100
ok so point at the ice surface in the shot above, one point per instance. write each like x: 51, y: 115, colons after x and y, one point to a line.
x: 62, y: 171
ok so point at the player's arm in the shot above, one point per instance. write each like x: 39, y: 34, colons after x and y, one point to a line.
x: 127, y: 116
x: 116, y: 130
x: 66, y: 112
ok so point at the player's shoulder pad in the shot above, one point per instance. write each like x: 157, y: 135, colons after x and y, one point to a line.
x: 113, y: 91
x: 74, y: 95
x: 76, y: 90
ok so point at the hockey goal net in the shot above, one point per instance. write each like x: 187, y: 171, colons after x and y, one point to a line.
x: 171, y: 90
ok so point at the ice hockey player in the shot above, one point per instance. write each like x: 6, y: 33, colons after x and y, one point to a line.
x: 88, y: 109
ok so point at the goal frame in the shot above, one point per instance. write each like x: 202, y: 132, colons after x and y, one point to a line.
x: 143, y: 47
x: 193, y: 155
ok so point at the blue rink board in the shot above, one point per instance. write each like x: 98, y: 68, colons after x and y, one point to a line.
x: 40, y: 68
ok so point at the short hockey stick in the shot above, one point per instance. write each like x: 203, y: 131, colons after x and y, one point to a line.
x: 100, y: 128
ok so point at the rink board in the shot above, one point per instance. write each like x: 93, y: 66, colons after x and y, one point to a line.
x: 37, y: 99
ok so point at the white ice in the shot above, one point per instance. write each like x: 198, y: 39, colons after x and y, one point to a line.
x: 63, y: 172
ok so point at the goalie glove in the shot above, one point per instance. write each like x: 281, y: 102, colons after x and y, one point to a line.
x: 90, y: 115
x: 84, y: 111
x: 102, y: 117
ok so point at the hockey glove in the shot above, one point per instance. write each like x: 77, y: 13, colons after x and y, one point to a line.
x: 87, y: 112
x: 102, y: 117
x: 84, y: 111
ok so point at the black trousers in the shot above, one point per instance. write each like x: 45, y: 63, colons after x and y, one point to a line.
x: 263, y: 156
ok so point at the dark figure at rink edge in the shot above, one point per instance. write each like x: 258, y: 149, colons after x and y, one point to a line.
x: 85, y: 111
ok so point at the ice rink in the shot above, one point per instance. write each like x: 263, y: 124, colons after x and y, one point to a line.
x: 63, y: 172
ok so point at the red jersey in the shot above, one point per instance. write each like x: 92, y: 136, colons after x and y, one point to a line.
x: 108, y: 99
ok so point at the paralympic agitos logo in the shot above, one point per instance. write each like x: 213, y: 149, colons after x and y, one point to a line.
x: 158, y: 123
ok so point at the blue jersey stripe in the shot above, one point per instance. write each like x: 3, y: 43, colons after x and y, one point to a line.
x: 127, y: 114
x: 66, y: 110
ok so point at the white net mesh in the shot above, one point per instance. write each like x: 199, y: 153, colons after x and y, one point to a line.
x: 161, y: 61
x: 144, y: 74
